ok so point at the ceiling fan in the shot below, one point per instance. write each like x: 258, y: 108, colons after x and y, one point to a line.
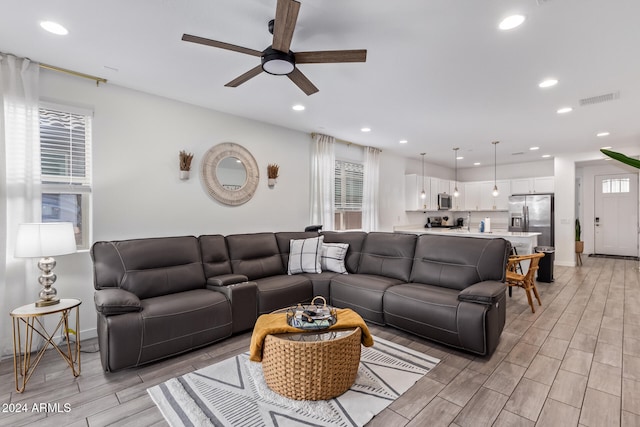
x: 277, y: 59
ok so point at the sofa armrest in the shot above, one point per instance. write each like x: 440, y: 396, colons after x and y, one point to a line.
x: 488, y: 292
x: 116, y: 301
x: 243, y: 297
x: 226, y: 279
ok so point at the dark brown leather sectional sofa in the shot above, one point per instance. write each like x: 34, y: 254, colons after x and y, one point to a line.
x: 159, y: 297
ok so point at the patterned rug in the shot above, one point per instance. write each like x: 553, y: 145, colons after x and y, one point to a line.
x: 233, y: 392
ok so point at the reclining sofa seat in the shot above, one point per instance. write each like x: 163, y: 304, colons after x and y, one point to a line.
x: 456, y: 293
x: 257, y: 256
x: 140, y: 319
x: 385, y: 261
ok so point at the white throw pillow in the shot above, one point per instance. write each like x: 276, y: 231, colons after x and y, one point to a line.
x: 332, y: 257
x: 304, y: 255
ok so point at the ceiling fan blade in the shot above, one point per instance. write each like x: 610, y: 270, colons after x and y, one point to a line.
x: 246, y: 76
x: 302, y: 82
x: 329, y: 56
x: 221, y: 45
x: 285, y: 23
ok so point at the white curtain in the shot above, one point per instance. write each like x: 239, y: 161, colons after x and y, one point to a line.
x: 370, y: 186
x: 323, y: 161
x: 19, y: 183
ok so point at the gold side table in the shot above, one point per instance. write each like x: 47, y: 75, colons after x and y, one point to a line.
x: 31, y: 316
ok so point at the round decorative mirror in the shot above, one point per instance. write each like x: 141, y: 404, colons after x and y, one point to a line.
x: 230, y: 173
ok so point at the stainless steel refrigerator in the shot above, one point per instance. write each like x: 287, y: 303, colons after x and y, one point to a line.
x: 533, y: 213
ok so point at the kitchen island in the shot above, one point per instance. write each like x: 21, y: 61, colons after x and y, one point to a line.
x: 524, y: 242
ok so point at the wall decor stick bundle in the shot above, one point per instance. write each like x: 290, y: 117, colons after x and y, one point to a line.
x: 272, y: 171
x: 185, y: 160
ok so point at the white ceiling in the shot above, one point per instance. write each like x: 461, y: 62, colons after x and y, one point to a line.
x: 438, y: 73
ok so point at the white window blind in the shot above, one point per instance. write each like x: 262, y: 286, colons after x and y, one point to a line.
x: 348, y: 186
x: 65, y: 163
x: 65, y: 147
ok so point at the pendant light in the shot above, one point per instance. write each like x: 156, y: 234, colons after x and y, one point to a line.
x: 423, y: 195
x: 495, y: 191
x: 456, y: 193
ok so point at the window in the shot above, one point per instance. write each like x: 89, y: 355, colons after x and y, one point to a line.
x: 615, y: 185
x: 348, y: 194
x: 65, y: 163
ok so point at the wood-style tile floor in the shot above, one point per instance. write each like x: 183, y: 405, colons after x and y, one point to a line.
x: 576, y: 361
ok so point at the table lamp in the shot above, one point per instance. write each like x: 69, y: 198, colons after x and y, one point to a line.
x: 45, y: 240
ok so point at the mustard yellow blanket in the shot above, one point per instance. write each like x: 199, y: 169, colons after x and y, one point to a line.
x: 276, y: 323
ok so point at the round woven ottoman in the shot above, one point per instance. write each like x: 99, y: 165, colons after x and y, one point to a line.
x: 311, y: 366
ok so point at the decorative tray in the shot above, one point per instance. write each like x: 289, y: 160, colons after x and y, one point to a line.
x: 312, y: 317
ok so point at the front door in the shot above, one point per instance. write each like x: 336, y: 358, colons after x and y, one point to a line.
x: 616, y: 214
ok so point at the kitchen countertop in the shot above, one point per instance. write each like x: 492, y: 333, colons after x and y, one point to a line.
x: 462, y: 232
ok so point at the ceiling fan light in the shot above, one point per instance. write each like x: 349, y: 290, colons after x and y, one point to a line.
x: 277, y: 63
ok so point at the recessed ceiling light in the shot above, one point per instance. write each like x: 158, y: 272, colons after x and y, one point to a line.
x: 606, y: 148
x: 545, y: 156
x: 534, y: 148
x: 511, y: 22
x: 54, y: 27
x: 459, y: 158
x: 601, y: 134
x: 476, y: 164
x: 403, y: 141
x: 365, y: 129
x: 564, y: 110
x: 298, y: 107
x: 547, y: 83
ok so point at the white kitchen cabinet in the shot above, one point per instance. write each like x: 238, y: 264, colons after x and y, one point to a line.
x: 413, y: 185
x: 545, y: 184
x: 458, y: 202
x: 490, y: 203
x: 472, y: 196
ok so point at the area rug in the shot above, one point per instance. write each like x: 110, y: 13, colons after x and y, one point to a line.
x: 233, y: 392
x: 625, y: 257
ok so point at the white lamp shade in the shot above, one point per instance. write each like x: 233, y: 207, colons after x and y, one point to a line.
x: 45, y: 239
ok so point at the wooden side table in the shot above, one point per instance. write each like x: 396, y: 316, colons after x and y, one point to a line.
x: 31, y: 316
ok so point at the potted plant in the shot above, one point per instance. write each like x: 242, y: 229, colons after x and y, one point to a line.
x: 272, y: 174
x: 579, y: 243
x: 185, y: 164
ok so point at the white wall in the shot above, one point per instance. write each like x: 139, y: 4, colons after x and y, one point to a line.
x: 587, y: 217
x: 565, y: 191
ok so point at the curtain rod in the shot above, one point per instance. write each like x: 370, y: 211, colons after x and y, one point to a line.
x: 98, y: 80
x: 342, y: 141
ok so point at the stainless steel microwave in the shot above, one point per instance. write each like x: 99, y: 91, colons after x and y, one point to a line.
x: 444, y: 201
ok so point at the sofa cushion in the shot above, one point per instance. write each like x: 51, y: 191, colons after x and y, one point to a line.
x: 332, y: 257
x: 172, y: 325
x: 149, y: 267
x: 282, y: 291
x: 428, y: 311
x: 355, y: 239
x: 458, y: 262
x: 215, y: 257
x: 388, y: 254
x: 255, y: 255
x: 362, y: 293
x: 304, y: 255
